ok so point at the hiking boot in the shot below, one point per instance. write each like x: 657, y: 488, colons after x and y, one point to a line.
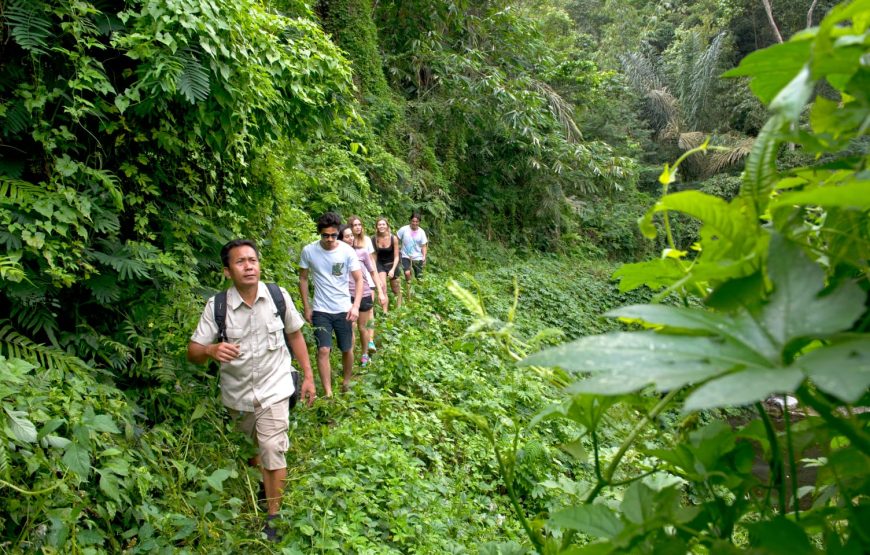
x: 372, y: 347
x: 365, y: 361
x: 271, y: 532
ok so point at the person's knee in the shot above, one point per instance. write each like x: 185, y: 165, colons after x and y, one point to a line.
x: 324, y: 351
x: 272, y: 452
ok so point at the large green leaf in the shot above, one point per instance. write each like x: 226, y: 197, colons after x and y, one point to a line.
x: 795, y: 309
x: 595, y: 520
x: 654, y: 274
x: 216, y: 479
x: 742, y: 329
x: 780, y: 536
x: 718, y: 216
x: 743, y: 388
x: 103, y: 423
x: 773, y: 68
x: 77, y: 459
x: 20, y: 427
x: 843, y: 370
x: 854, y: 193
x: 793, y: 97
x: 109, y: 485
x: 677, y: 317
x: 622, y: 362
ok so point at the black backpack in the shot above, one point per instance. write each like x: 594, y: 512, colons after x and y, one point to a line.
x: 220, y: 318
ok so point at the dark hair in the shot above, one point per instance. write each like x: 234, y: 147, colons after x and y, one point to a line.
x: 225, y: 250
x: 415, y: 215
x: 342, y: 229
x: 330, y: 219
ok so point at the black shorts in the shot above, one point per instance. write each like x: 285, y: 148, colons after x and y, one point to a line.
x: 325, y: 323
x: 385, y: 268
x: 407, y: 264
x: 366, y: 304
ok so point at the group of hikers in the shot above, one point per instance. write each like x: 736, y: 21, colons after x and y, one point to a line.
x: 253, y: 328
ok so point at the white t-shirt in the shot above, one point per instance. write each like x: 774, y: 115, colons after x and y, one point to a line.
x: 329, y: 271
x: 370, y: 249
x: 412, y: 242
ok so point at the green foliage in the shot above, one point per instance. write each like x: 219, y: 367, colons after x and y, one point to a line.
x: 79, y: 474
x: 480, y: 83
x: 785, y: 313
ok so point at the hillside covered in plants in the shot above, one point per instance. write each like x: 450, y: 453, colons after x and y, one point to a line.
x: 647, y: 222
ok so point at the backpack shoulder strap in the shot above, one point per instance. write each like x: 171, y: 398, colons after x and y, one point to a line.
x: 278, y: 299
x: 220, y: 315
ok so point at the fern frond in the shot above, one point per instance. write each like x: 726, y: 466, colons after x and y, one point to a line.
x: 122, y: 262
x: 17, y: 191
x: 17, y: 119
x: 11, y: 269
x: 36, y: 317
x: 105, y: 221
x: 29, y: 25
x: 15, y: 345
x: 104, y: 288
x: 193, y: 82
x: 4, y: 461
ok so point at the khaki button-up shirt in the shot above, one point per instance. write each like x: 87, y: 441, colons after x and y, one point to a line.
x: 261, y: 372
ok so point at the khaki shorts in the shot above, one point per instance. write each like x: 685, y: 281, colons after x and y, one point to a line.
x: 267, y: 426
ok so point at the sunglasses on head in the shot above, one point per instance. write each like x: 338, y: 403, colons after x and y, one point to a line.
x: 329, y: 235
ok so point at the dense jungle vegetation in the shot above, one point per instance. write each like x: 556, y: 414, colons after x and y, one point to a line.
x: 646, y: 218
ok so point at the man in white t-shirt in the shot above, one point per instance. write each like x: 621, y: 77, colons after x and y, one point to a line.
x: 415, y: 245
x: 329, y: 261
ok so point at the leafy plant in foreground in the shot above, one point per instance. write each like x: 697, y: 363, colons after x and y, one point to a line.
x: 782, y: 271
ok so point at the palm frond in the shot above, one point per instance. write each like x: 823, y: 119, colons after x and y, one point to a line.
x: 561, y: 109
x: 691, y: 139
x: 722, y: 159
x: 662, y: 112
x: 704, y: 75
x: 641, y: 73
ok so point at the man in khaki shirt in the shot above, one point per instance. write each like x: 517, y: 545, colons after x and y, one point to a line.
x: 255, y: 364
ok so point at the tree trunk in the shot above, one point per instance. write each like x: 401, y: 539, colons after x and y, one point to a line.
x: 769, y: 10
x: 810, y: 13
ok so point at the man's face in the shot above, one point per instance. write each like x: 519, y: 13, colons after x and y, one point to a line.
x: 329, y: 238
x: 244, y: 267
x: 415, y: 223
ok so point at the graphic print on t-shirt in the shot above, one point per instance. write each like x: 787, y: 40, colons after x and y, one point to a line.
x: 338, y: 269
